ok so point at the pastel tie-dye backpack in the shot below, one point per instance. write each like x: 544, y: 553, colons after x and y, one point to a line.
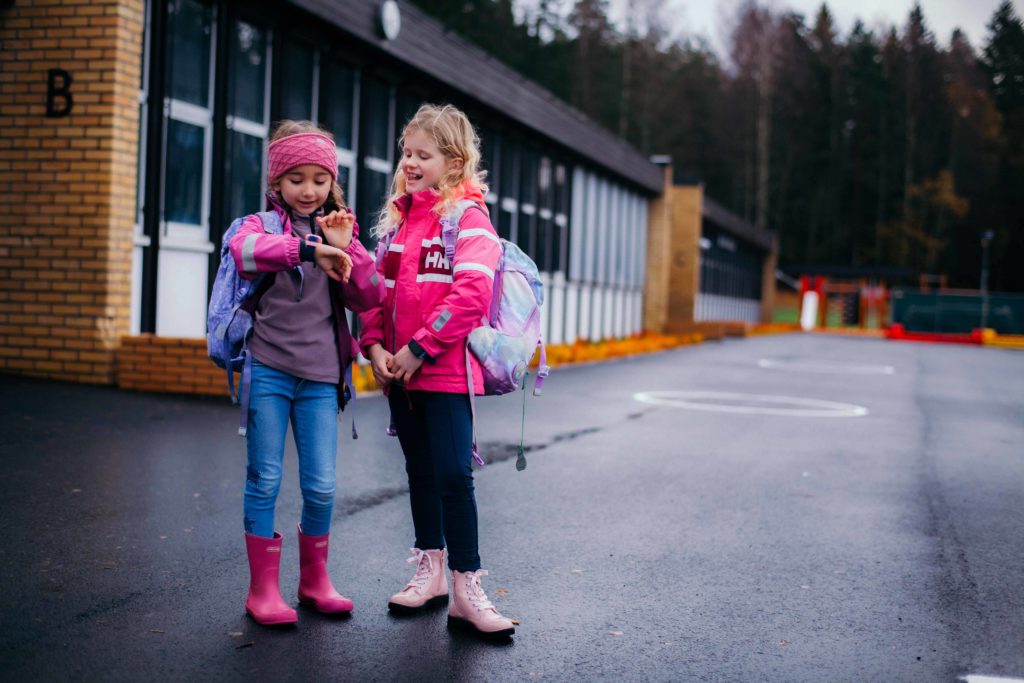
x: 511, y: 335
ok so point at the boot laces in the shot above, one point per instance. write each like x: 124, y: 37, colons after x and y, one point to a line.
x: 475, y: 592
x: 424, y: 568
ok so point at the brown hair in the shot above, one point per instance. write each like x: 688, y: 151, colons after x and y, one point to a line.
x: 336, y: 197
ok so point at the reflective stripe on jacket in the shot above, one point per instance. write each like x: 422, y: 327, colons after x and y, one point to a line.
x: 428, y: 299
x: 256, y: 251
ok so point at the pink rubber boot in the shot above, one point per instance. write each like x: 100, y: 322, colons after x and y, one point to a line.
x: 264, y: 603
x: 428, y: 585
x: 469, y: 606
x: 315, y: 586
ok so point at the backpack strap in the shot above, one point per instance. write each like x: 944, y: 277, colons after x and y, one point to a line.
x: 472, y: 406
x: 272, y: 226
x: 383, y: 244
x: 449, y: 236
x: 450, y: 227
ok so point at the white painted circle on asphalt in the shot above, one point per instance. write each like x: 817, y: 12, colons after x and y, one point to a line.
x: 825, y: 366
x: 750, y: 404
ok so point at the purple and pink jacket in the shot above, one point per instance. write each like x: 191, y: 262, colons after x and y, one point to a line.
x: 256, y: 252
x: 428, y: 299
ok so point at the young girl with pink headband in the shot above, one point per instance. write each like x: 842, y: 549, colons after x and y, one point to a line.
x: 301, y: 348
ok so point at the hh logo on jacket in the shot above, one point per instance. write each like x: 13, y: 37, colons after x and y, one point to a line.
x: 434, y: 265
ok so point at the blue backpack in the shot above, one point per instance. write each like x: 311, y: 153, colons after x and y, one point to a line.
x: 229, y: 317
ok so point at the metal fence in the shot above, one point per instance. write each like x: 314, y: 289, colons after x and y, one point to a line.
x: 955, y: 312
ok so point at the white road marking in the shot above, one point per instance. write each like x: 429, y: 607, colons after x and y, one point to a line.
x: 826, y: 366
x: 979, y: 678
x: 724, y: 402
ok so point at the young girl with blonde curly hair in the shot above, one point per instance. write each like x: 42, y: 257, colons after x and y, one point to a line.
x: 416, y: 343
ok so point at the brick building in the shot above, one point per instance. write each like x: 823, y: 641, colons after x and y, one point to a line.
x: 133, y: 131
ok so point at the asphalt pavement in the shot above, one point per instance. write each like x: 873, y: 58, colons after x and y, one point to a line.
x: 781, y: 508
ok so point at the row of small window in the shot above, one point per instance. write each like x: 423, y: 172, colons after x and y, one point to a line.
x: 532, y: 194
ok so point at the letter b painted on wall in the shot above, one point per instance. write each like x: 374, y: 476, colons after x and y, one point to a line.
x: 58, y: 94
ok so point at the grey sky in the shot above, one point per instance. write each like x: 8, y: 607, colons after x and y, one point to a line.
x: 710, y: 18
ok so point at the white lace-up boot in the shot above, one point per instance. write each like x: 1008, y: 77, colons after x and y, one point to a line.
x: 428, y: 585
x: 469, y: 605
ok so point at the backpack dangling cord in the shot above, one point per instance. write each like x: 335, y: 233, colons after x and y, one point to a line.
x: 521, y: 456
x: 472, y: 406
x: 350, y: 389
x: 244, y: 385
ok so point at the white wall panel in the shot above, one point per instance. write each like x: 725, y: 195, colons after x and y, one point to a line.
x: 545, y: 310
x: 576, y: 223
x: 572, y: 312
x: 586, y: 301
x: 181, y: 293
x: 556, y: 301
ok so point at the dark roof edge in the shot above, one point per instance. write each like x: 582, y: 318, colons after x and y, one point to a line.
x: 506, y: 88
x: 733, y: 224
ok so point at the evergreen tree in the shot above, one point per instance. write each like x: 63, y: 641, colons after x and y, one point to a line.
x: 1003, y: 62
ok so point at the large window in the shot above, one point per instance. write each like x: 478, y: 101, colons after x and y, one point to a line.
x: 489, y: 154
x: 377, y: 133
x: 189, y: 121
x: 508, y: 207
x: 299, y: 76
x: 526, y: 235
x: 339, y: 113
x: 247, y: 120
x: 182, y: 262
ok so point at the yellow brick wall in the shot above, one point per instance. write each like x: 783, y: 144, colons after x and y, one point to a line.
x: 658, y: 267
x: 67, y: 185
x: 684, y: 277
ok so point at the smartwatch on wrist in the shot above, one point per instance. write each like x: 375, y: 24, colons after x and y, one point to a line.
x: 419, y: 351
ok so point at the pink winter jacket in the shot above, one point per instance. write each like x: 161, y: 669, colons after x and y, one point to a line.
x: 430, y: 300
x: 256, y: 252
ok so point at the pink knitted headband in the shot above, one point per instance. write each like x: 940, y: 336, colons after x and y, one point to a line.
x: 288, y: 152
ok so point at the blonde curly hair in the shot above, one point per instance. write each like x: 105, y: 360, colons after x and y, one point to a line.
x: 455, y: 138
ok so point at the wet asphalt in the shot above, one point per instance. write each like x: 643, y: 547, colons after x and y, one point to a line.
x: 643, y: 541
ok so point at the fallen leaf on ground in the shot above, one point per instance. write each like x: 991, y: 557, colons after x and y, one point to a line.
x: 501, y: 591
x: 783, y: 642
x: 234, y: 634
x: 515, y: 621
x: 245, y: 645
x: 156, y: 630
x: 615, y: 633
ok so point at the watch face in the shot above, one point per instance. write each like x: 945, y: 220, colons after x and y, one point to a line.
x: 390, y: 19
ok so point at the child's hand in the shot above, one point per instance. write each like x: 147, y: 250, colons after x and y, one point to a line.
x: 336, y: 263
x: 404, y: 364
x: 337, y: 228
x: 380, y: 359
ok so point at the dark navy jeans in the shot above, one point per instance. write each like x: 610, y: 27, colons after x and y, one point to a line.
x: 436, y: 433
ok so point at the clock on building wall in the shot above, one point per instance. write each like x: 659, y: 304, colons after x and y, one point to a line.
x: 390, y: 19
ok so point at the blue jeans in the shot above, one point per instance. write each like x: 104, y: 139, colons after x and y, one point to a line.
x: 436, y: 432
x: 312, y: 408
